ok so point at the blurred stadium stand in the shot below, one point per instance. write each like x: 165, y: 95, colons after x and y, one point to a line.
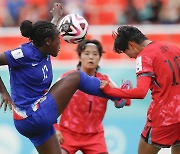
x: 10, y: 38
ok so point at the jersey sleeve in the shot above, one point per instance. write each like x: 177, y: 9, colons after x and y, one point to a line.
x: 144, y: 66
x: 15, y: 58
x: 139, y: 92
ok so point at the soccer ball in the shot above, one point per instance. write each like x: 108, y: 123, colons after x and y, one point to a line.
x: 73, y: 28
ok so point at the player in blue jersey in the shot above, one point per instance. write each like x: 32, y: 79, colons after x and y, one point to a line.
x: 37, y: 106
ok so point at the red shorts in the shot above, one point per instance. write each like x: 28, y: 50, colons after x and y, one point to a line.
x: 162, y: 137
x: 87, y: 143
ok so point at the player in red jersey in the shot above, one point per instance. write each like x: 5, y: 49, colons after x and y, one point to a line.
x: 157, y: 69
x: 80, y: 126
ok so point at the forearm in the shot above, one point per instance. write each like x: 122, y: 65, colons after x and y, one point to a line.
x: 134, y: 93
x: 57, y: 12
x: 55, y: 20
x: 2, y: 86
x: 139, y: 92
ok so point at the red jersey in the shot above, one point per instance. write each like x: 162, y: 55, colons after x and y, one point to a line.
x: 84, y: 113
x: 161, y: 61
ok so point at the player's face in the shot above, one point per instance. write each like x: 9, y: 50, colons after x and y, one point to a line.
x: 89, y: 58
x: 55, y: 45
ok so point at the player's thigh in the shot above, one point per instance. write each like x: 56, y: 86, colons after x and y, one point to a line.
x: 63, y: 90
x: 145, y: 148
x: 51, y: 146
x: 175, y: 149
x: 95, y: 144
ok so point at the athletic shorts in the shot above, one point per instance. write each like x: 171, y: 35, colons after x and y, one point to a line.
x: 88, y: 143
x: 38, y: 127
x: 162, y: 137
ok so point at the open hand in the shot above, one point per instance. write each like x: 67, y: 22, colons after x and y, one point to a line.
x: 57, y: 12
x: 126, y: 84
x: 6, y: 101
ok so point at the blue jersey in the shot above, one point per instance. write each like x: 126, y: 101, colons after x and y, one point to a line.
x: 30, y: 75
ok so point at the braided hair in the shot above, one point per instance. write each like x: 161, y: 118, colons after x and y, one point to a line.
x: 38, y: 31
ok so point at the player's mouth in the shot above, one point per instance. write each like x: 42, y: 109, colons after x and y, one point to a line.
x: 90, y: 63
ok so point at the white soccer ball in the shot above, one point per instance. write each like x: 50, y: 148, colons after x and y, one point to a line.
x: 73, y: 28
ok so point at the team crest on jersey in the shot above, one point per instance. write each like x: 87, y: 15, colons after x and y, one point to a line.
x: 138, y: 64
x: 17, y: 53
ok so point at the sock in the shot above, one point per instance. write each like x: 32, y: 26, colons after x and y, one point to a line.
x: 91, y: 84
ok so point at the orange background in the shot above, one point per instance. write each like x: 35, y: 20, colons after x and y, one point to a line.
x: 67, y: 51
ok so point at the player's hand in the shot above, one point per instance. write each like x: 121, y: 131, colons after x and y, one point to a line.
x: 6, y: 101
x: 120, y: 103
x: 126, y: 84
x: 59, y: 136
x: 57, y: 12
x: 104, y: 83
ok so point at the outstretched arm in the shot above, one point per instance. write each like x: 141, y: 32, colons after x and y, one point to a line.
x: 139, y: 92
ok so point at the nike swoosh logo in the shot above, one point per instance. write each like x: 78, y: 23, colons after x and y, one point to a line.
x: 34, y: 64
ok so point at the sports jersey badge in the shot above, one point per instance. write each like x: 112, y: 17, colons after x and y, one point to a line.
x: 138, y: 64
x: 17, y: 53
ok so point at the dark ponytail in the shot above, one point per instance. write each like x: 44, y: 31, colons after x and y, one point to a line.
x: 26, y: 28
x: 38, y: 31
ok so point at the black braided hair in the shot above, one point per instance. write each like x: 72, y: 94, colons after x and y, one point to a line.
x: 38, y: 31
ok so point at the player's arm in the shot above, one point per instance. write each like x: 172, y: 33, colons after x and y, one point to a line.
x: 3, y: 59
x: 139, y: 92
x: 5, y: 97
x: 126, y: 84
x: 57, y: 12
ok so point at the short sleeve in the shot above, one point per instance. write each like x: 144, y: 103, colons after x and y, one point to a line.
x: 144, y: 66
x: 15, y: 58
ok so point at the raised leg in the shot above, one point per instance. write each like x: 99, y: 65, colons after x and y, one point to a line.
x: 63, y: 90
x: 51, y: 146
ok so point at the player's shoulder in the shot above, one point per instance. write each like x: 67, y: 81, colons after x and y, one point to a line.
x: 23, y: 52
x: 101, y: 76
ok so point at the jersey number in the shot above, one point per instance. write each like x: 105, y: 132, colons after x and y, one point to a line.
x: 45, y: 70
x: 174, y: 82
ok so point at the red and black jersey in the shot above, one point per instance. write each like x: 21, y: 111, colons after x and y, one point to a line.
x: 157, y: 69
x: 161, y: 61
x: 84, y: 113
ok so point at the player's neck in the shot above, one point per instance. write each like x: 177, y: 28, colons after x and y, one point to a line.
x: 146, y: 43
